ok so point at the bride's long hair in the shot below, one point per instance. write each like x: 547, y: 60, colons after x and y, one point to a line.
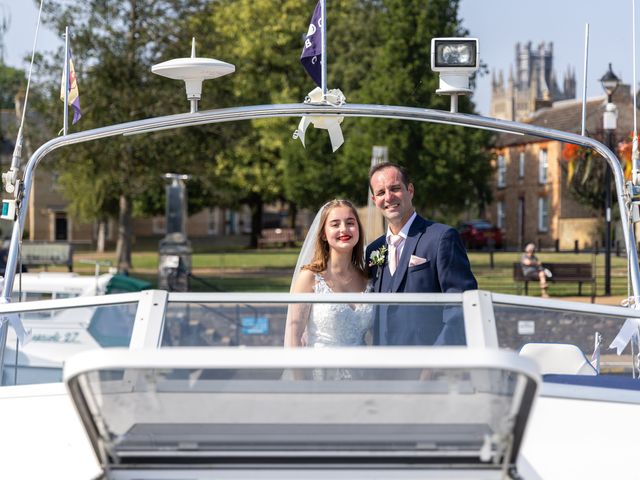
x: 322, y: 251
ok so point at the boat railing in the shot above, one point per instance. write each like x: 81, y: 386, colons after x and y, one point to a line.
x: 349, y: 110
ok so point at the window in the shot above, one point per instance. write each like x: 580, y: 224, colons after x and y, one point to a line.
x: 55, y: 178
x: 502, y: 172
x: 61, y: 227
x: 521, y: 165
x: 500, y: 214
x: 212, y: 228
x: 543, y: 214
x: 158, y: 225
x: 543, y: 166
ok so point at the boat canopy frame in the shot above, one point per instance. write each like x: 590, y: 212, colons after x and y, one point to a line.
x: 318, y: 110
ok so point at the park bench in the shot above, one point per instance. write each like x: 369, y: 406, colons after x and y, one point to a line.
x: 276, y: 236
x: 562, y: 272
x: 47, y: 253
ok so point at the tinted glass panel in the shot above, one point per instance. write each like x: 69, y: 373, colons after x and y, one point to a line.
x: 518, y: 325
x: 59, y: 334
x: 319, y: 324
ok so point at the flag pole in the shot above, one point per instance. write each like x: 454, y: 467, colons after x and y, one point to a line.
x: 65, y: 125
x: 323, y: 30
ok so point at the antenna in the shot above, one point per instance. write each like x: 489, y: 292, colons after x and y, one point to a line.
x: 634, y: 149
x: 9, y: 178
x: 584, y: 79
x: 65, y: 124
x: 323, y: 30
x: 193, y: 71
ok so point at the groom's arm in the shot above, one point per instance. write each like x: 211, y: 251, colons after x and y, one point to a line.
x: 454, y: 269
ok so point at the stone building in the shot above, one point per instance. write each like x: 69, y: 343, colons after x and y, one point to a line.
x: 532, y: 87
x: 531, y: 198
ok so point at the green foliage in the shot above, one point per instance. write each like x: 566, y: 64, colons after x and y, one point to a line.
x: 114, y: 45
x: 264, y: 48
x: 378, y: 53
x: 587, y: 183
x: 12, y: 80
x: 437, y: 156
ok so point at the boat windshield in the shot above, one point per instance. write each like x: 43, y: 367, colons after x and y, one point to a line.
x: 325, y: 322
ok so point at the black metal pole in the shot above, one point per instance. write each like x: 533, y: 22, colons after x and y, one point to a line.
x: 607, y: 212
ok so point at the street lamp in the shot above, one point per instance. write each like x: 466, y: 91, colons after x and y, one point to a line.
x: 609, y: 83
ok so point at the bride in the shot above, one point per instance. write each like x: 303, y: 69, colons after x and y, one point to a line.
x: 331, y: 261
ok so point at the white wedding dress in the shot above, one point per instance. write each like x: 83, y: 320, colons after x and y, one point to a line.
x: 337, y: 325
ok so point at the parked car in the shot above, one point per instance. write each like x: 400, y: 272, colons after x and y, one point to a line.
x: 479, y: 234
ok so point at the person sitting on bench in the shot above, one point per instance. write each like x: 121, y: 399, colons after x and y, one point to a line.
x: 533, y: 269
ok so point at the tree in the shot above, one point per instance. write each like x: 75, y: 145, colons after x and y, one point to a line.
x: 12, y: 80
x: 380, y: 54
x: 268, y: 164
x: 437, y: 156
x: 265, y: 49
x: 585, y: 173
x: 114, y: 45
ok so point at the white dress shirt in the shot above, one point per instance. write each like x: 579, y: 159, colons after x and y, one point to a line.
x: 404, y: 233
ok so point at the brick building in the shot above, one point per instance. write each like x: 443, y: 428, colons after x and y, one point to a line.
x: 531, y: 199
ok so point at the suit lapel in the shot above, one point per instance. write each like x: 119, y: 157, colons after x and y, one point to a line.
x: 379, y: 269
x: 377, y: 284
x: 415, y: 232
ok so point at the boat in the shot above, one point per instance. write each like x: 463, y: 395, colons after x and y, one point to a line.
x: 199, y: 386
x: 56, y: 335
x: 53, y: 285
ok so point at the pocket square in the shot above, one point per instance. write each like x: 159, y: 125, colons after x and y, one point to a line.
x: 415, y: 261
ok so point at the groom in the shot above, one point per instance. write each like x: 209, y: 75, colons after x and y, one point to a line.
x: 421, y: 256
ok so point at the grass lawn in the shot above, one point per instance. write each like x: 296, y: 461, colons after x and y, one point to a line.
x: 270, y: 270
x: 500, y: 278
x: 248, y: 259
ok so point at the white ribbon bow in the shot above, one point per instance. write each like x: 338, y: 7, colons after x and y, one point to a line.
x: 332, y: 124
x: 629, y: 329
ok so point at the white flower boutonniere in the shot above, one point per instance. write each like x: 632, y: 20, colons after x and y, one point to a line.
x: 377, y: 257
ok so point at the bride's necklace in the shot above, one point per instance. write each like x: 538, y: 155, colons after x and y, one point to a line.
x: 338, y: 282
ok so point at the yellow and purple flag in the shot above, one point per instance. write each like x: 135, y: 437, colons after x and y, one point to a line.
x: 312, y: 51
x: 72, y: 89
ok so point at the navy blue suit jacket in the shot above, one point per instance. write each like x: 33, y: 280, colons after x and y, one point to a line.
x: 446, y: 270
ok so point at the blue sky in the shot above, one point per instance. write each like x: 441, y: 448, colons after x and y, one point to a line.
x: 499, y: 24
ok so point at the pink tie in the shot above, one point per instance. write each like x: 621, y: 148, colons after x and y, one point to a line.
x: 394, y: 242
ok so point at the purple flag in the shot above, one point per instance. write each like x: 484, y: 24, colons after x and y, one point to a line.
x: 73, y: 94
x: 312, y: 51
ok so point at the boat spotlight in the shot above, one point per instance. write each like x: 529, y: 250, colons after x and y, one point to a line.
x: 456, y: 59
